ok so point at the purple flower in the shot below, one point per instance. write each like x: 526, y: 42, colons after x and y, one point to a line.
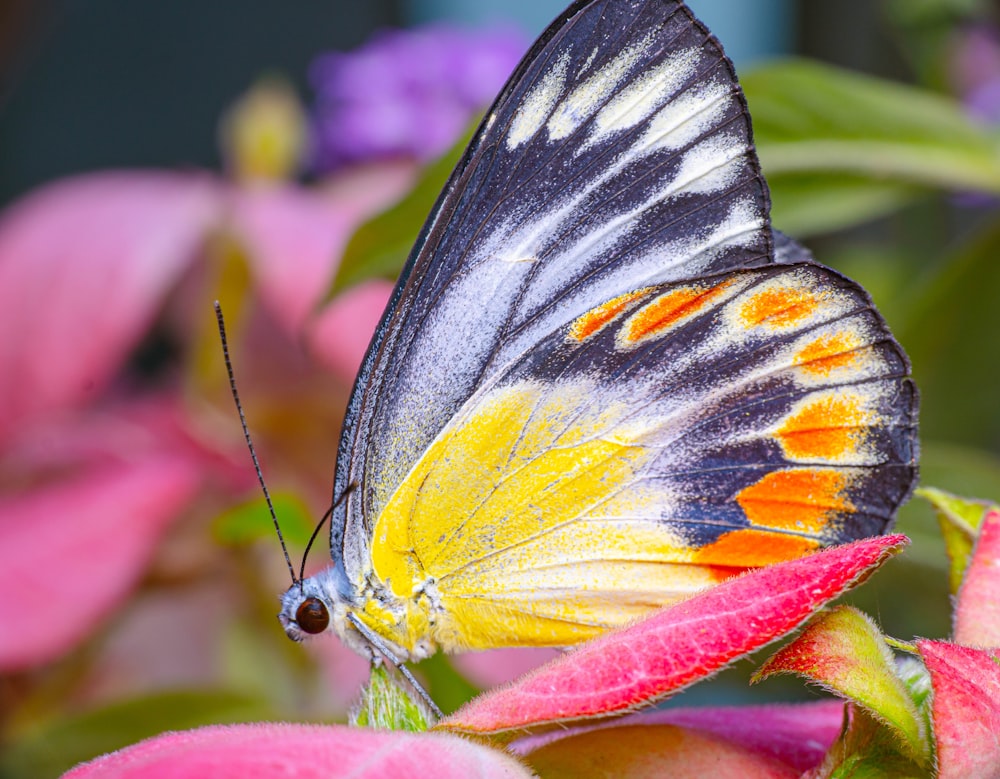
x: 975, y: 71
x: 973, y: 68
x: 406, y: 93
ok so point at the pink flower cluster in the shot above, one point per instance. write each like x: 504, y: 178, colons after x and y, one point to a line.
x: 585, y: 693
x: 101, y: 447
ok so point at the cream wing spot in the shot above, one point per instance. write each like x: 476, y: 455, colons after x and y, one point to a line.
x: 711, y: 166
x: 589, y: 61
x: 583, y: 101
x: 538, y: 105
x: 686, y: 118
x: 637, y: 101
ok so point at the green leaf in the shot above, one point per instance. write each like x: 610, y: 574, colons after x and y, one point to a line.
x: 917, y: 680
x: 844, y: 652
x: 251, y: 521
x: 959, y: 519
x: 839, y: 148
x: 866, y: 750
x: 806, y: 204
x: 51, y: 749
x: 965, y: 514
x: 386, y: 705
x: 380, y: 246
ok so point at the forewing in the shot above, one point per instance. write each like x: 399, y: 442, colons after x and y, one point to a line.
x: 672, y: 436
x: 618, y: 156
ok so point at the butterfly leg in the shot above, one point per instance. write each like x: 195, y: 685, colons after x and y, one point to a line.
x: 380, y: 646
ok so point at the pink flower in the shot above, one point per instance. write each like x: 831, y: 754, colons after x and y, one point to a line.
x: 572, y: 703
x: 571, y: 708
x: 302, y: 751
x: 106, y: 284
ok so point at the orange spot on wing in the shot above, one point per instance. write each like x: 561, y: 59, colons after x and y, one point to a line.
x: 828, y: 353
x: 799, y: 499
x: 779, y: 307
x: 752, y: 548
x: 828, y: 428
x: 669, y: 309
x: 587, y: 324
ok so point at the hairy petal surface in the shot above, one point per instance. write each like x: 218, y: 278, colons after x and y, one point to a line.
x: 965, y: 709
x: 270, y: 751
x: 977, y: 611
x: 678, y: 645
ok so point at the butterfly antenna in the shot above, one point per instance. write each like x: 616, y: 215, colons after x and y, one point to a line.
x: 315, y: 533
x: 246, y: 435
x: 312, y: 538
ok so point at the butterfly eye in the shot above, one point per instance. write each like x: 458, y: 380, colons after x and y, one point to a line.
x: 312, y: 616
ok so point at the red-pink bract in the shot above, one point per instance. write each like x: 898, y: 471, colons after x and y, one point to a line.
x: 678, y: 645
x: 977, y: 608
x: 965, y: 709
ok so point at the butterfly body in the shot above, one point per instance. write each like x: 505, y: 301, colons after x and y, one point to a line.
x: 603, y: 383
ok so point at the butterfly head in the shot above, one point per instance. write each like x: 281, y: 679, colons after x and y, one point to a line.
x: 315, y: 605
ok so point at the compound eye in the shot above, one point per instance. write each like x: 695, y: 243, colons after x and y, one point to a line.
x: 312, y: 616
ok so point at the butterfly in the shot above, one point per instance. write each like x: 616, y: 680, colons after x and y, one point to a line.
x: 603, y: 382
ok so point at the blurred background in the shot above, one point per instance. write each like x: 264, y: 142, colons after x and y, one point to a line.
x: 133, y: 597
x: 87, y: 85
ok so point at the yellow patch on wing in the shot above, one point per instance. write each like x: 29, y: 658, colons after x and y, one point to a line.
x: 780, y: 306
x: 577, y: 541
x: 669, y: 310
x: 526, y: 523
x: 795, y: 499
x: 829, y: 426
x: 594, y: 320
x: 565, y: 604
x: 521, y: 462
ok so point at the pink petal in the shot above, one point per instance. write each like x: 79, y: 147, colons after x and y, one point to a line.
x: 977, y: 612
x: 339, y: 337
x: 295, y: 237
x: 69, y: 552
x: 366, y: 190
x: 795, y: 734
x: 294, y: 240
x: 115, y: 431
x: 677, y: 646
x: 271, y: 751
x: 84, y: 265
x: 965, y: 709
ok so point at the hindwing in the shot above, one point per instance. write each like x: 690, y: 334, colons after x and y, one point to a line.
x: 672, y: 436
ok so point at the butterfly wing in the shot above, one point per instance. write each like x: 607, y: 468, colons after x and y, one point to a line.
x: 618, y: 156
x: 669, y: 438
